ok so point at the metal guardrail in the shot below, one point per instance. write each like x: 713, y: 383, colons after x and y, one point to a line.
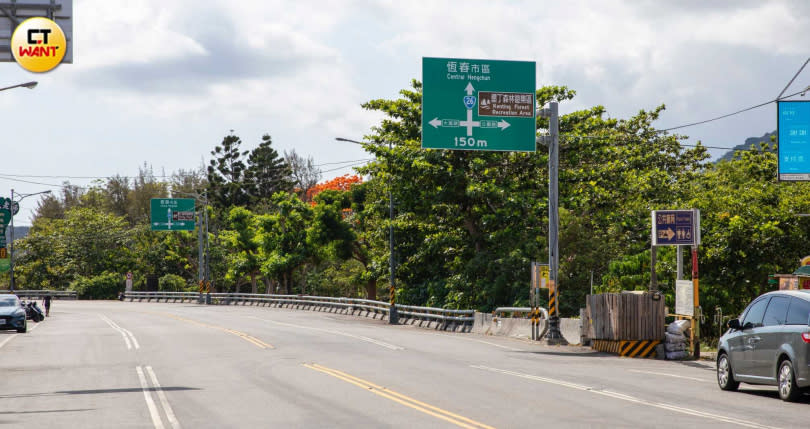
x: 350, y: 305
x: 513, y: 312
x: 56, y: 294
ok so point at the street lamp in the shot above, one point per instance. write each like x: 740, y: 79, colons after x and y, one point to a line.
x: 392, y: 312
x: 29, y: 85
x: 11, y: 244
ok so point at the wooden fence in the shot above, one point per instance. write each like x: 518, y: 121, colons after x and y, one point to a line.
x: 625, y: 316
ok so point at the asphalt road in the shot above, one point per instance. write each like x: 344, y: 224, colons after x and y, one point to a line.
x: 157, y: 365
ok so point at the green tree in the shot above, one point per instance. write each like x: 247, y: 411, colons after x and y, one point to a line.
x: 242, y: 241
x: 267, y: 172
x: 283, y: 237
x: 469, y: 223
x: 749, y: 228
x: 226, y: 174
x: 341, y: 230
x: 87, y: 242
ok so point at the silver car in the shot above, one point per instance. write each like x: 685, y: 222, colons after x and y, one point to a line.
x: 769, y: 344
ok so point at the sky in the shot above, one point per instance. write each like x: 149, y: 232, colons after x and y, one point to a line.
x: 160, y: 83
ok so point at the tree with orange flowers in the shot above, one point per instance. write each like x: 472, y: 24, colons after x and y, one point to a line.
x: 340, y: 183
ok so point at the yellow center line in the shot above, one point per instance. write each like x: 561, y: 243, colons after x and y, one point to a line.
x: 401, y: 399
x: 251, y: 339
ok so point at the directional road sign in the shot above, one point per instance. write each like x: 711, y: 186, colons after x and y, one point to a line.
x: 675, y: 227
x: 172, y: 214
x: 478, y: 104
x: 793, y: 123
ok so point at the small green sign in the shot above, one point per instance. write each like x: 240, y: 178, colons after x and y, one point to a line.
x: 478, y: 104
x: 172, y: 214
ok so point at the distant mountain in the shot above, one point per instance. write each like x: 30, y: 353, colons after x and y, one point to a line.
x: 19, y: 232
x: 755, y: 141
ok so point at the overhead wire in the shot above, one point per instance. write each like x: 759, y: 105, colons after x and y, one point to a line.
x: 777, y: 99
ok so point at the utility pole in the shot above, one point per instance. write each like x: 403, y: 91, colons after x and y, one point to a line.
x: 554, y: 336
x: 393, y: 317
x: 11, y: 246
x: 200, y: 256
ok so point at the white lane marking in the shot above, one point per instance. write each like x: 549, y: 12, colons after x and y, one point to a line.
x: 11, y: 337
x: 330, y: 331
x: 512, y: 349
x: 149, y: 402
x: 129, y: 339
x: 117, y: 328
x: 628, y: 398
x: 163, y: 401
x: 134, y: 341
x: 449, y: 335
x: 672, y: 375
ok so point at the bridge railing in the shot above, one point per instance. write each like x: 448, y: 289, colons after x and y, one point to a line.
x: 37, y: 294
x: 518, y: 312
x: 365, y: 307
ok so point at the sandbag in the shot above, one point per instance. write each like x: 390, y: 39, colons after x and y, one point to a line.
x: 675, y: 338
x: 678, y: 326
x: 675, y: 347
x: 677, y: 355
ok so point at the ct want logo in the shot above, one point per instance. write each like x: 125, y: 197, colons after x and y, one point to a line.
x: 38, y: 44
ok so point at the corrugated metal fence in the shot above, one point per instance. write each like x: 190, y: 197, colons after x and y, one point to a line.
x: 625, y: 316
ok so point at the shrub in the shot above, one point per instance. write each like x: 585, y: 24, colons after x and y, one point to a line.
x: 105, y: 286
x: 172, y: 283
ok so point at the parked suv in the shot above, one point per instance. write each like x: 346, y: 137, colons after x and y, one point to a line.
x: 769, y: 344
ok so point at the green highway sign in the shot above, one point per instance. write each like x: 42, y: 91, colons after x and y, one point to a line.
x: 172, y: 214
x: 478, y: 104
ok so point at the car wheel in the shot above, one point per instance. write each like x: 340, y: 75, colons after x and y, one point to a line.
x: 24, y: 328
x: 788, y: 390
x: 725, y: 378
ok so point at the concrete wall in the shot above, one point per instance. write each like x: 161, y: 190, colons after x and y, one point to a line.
x: 486, y: 324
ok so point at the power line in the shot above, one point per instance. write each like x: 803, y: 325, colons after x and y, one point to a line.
x: 638, y: 140
x: 794, y: 78
x: 161, y: 176
x: 730, y: 114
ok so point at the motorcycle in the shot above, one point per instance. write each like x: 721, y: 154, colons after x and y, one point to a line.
x: 33, y: 312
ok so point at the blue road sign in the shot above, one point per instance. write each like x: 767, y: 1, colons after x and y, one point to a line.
x: 793, y: 124
x: 675, y: 227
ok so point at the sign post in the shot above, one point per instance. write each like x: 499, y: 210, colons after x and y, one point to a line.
x: 172, y: 214
x: 484, y: 105
x: 539, y: 281
x: 679, y: 228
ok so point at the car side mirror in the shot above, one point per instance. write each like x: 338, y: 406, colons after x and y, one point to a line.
x: 734, y: 324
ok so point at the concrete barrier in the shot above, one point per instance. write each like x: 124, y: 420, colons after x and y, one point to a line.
x: 486, y: 324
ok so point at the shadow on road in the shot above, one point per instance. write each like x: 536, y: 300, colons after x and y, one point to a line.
x: 566, y: 354
x: 97, y: 391
x: 772, y: 394
x: 48, y: 411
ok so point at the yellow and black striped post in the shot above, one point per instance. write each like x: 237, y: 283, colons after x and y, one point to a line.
x: 552, y: 300
x: 393, y: 317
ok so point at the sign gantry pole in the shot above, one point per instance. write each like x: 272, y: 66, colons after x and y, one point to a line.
x: 554, y: 336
